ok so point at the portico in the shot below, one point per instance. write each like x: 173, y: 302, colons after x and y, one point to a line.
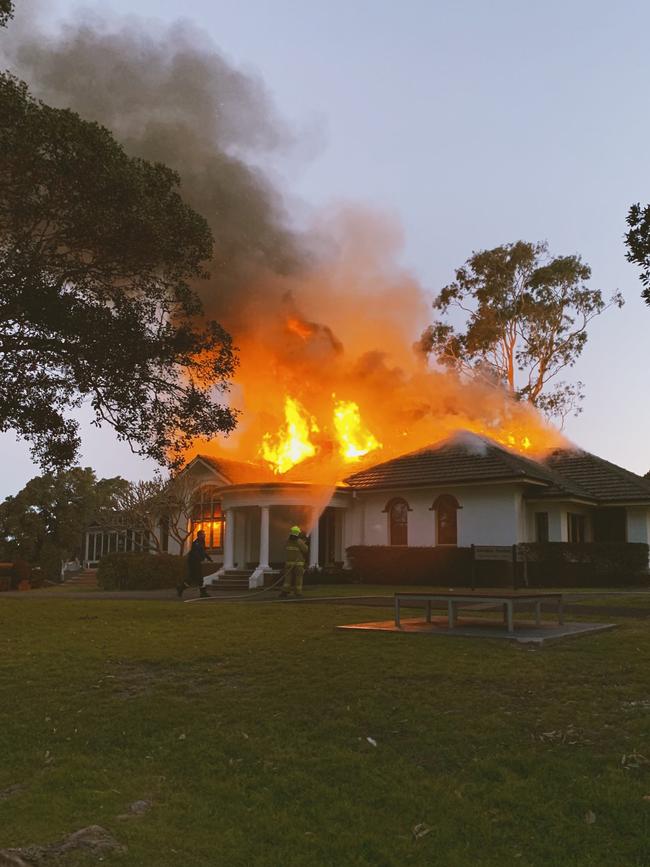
x: 257, y: 522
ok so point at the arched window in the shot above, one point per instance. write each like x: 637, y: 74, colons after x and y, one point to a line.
x: 397, y: 510
x: 208, y: 516
x: 446, y: 508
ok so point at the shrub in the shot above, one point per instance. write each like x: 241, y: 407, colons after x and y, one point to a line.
x: 385, y: 564
x: 50, y: 560
x: 592, y: 564
x: 549, y: 564
x: 329, y: 575
x: 141, y: 571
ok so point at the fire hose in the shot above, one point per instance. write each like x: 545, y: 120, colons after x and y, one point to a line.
x: 243, y: 595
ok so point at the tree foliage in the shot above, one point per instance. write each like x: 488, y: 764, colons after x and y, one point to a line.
x: 6, y: 11
x: 44, y: 522
x: 524, y: 320
x: 97, y: 257
x: 638, y: 244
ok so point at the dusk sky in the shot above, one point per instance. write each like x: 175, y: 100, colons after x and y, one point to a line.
x: 471, y: 124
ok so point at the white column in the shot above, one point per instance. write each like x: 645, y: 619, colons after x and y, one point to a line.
x: 313, y: 543
x: 264, y: 538
x: 229, y: 541
x: 256, y: 579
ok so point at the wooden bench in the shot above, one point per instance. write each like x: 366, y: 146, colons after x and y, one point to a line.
x: 463, y: 599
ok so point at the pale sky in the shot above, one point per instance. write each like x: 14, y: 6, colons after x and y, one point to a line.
x: 473, y: 123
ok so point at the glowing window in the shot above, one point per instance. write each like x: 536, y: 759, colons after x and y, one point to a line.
x: 208, y: 516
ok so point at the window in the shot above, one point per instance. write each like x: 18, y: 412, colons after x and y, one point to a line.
x: 576, y: 527
x: 541, y: 526
x: 446, y: 508
x: 208, y: 516
x: 398, y: 511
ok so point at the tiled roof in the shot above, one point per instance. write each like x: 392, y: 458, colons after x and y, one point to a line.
x: 463, y: 458
x: 466, y: 458
x: 565, y: 473
x: 599, y: 479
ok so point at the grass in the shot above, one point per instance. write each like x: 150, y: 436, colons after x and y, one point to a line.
x: 247, y: 726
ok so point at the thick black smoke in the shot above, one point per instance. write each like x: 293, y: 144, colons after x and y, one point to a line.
x: 169, y: 95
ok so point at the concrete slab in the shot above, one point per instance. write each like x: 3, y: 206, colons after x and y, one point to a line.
x: 526, y: 632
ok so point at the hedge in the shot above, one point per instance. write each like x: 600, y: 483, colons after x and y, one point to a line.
x: 550, y: 564
x: 329, y: 575
x: 586, y: 564
x: 143, y: 571
x: 385, y: 564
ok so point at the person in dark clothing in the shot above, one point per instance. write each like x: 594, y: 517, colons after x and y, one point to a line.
x: 194, y: 572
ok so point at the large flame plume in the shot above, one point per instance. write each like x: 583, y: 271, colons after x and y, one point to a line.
x: 329, y: 379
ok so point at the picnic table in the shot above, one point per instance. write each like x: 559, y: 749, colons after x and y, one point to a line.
x: 463, y: 599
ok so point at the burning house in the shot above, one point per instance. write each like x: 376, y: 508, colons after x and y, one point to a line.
x: 465, y: 490
x: 339, y: 405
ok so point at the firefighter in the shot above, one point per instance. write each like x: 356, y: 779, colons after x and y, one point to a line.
x: 194, y: 559
x: 294, y: 566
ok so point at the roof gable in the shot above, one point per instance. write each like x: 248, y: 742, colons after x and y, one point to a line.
x: 233, y: 472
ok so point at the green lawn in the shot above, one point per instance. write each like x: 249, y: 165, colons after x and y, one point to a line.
x: 247, y: 726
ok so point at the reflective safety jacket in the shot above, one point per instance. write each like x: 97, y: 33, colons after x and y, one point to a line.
x: 296, y: 551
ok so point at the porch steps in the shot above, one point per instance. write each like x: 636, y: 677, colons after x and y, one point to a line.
x: 233, y: 579
x: 238, y: 579
x: 86, y: 578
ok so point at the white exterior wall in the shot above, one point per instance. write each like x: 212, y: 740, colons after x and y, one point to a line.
x: 174, y: 548
x: 490, y: 515
x: 558, y: 522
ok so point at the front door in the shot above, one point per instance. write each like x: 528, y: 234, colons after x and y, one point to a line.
x: 327, y: 532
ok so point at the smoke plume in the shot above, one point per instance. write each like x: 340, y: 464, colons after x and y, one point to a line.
x: 168, y: 95
x: 321, y: 314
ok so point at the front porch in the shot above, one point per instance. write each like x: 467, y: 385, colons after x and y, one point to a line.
x: 257, y: 523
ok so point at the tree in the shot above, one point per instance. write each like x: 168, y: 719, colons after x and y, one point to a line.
x: 177, y: 500
x: 147, y: 505
x: 638, y: 244
x: 45, y: 521
x: 97, y: 257
x: 6, y: 11
x: 525, y: 318
x: 137, y: 507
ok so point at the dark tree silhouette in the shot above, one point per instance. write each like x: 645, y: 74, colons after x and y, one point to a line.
x: 638, y: 244
x: 97, y: 257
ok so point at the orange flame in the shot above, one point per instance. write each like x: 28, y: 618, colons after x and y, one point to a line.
x: 297, y: 326
x: 291, y: 444
x: 355, y: 440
